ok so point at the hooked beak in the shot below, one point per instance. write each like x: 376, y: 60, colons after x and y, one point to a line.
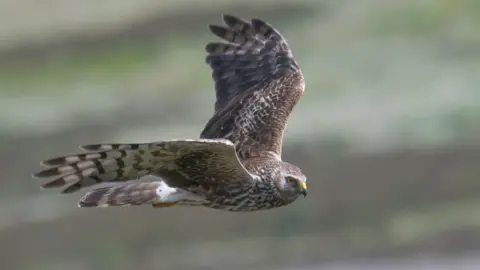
x: 304, y: 189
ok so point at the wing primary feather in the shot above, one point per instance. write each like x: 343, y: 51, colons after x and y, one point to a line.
x: 123, y: 162
x: 257, y: 83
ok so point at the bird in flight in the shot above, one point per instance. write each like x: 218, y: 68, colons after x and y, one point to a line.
x: 236, y: 163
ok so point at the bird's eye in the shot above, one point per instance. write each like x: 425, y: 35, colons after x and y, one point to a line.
x: 290, y: 180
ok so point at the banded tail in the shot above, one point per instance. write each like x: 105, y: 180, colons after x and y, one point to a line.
x: 123, y: 194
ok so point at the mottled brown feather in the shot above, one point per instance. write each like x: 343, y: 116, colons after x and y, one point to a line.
x: 235, y: 165
x: 193, y: 160
x: 257, y: 83
x: 124, y: 194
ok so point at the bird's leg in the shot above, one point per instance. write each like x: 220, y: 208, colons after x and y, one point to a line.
x: 168, y: 196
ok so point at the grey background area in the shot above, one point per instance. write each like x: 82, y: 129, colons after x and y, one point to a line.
x: 387, y: 133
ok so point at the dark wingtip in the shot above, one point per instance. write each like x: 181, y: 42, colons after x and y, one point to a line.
x: 258, y: 21
x: 210, y: 47
x: 53, y: 162
x: 218, y: 30
x: 211, y: 27
x: 90, y: 147
x: 54, y: 184
x: 259, y: 24
x: 230, y: 19
x: 45, y: 173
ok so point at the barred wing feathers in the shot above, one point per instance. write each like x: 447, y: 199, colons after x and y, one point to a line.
x: 193, y: 160
x: 257, y: 84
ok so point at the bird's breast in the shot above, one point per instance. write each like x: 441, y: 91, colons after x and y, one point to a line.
x: 254, y: 198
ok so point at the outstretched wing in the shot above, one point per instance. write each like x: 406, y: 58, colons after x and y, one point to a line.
x: 257, y: 84
x: 201, y: 162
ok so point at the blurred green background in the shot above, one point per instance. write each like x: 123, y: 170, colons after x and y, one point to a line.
x: 387, y: 133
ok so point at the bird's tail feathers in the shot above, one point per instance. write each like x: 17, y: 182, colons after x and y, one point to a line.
x: 121, y: 195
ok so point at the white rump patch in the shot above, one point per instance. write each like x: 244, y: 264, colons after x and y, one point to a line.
x: 165, y: 193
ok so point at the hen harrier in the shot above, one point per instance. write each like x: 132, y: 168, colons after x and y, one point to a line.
x: 235, y: 165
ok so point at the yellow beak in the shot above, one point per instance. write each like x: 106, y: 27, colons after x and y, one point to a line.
x: 304, y: 189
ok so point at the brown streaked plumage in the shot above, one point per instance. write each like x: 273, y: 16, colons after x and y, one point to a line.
x: 235, y: 165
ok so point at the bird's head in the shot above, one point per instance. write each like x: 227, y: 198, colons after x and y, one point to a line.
x: 291, y: 182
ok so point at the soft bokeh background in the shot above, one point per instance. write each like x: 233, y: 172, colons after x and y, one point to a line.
x: 387, y: 132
